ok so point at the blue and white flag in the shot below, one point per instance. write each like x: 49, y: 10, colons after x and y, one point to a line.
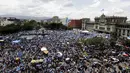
x: 67, y: 21
x: 20, y: 54
x: 102, y: 10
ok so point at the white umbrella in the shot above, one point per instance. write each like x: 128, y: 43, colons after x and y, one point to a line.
x: 67, y: 59
x: 43, y: 48
x: 85, y: 31
x: 59, y: 54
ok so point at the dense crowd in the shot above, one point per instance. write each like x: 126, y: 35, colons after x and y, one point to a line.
x: 64, y: 55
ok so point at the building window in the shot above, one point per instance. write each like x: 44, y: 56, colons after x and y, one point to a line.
x: 112, y: 20
x: 101, y: 28
x: 124, y: 32
x: 108, y: 29
x: 96, y: 27
x: 128, y: 32
x: 119, y: 32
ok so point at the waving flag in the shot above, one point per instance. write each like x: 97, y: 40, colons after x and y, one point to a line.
x: 102, y: 10
x: 67, y: 21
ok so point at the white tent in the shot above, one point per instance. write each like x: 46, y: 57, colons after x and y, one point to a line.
x: 85, y: 31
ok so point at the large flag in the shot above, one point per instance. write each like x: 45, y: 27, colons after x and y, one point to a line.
x: 20, y: 54
x: 67, y: 21
x: 102, y: 10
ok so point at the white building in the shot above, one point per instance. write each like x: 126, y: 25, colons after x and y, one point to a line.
x: 54, y: 19
x: 6, y: 21
x: 65, y: 21
x: 87, y: 24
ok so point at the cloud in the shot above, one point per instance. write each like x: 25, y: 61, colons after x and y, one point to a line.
x: 95, y: 4
x: 68, y: 5
x: 114, y: 0
x: 64, y: 8
x: 117, y: 10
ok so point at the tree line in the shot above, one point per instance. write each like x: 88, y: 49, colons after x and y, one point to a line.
x: 31, y: 25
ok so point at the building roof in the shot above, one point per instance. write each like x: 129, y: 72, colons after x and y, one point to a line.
x: 124, y: 24
x: 110, y: 16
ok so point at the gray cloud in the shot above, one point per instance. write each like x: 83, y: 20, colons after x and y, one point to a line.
x: 68, y: 5
x: 64, y: 8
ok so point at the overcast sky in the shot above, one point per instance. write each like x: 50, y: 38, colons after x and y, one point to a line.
x: 75, y: 9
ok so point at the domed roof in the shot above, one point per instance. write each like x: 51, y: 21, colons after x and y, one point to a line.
x: 103, y: 15
x: 55, y: 17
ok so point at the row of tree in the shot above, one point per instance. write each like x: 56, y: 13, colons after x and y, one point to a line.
x: 94, y: 41
x: 18, y: 26
x: 30, y: 25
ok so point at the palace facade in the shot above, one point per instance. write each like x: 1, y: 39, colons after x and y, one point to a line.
x: 112, y: 24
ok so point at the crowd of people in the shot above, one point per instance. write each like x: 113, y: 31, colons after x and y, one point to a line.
x: 65, y: 55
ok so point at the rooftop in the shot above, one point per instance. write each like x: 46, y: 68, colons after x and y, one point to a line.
x: 111, y: 16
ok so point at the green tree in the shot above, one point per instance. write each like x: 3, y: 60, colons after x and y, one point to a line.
x: 126, y: 43
x: 94, y: 41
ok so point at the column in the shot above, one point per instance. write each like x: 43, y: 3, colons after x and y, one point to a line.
x: 126, y: 32
x: 84, y: 26
x: 121, y: 32
x: 118, y: 32
x: 105, y: 28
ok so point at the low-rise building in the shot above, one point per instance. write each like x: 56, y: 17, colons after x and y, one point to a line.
x: 7, y: 20
x: 112, y: 24
x: 84, y: 21
x: 75, y: 23
x: 87, y: 24
x: 54, y: 19
x: 65, y: 21
x: 123, y: 29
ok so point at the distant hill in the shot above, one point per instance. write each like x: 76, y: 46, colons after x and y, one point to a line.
x: 26, y: 17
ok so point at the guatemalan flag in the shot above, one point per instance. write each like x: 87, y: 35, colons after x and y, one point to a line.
x: 102, y: 10
x: 67, y: 21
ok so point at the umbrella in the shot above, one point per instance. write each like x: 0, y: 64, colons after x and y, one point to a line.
x: 33, y: 61
x: 67, y: 59
x: 20, y: 54
x: 17, y: 58
x: 1, y: 40
x: 125, y: 55
x: 16, y: 41
x: 18, y: 68
x: 59, y: 54
x: 44, y: 49
x: 41, y: 60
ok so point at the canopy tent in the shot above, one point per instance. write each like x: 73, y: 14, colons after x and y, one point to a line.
x: 1, y: 40
x: 16, y: 41
x: 44, y: 49
x: 85, y: 31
